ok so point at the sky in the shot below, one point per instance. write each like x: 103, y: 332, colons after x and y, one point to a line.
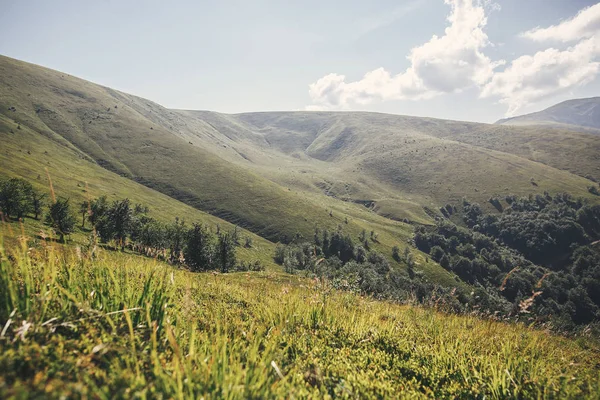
x: 473, y: 60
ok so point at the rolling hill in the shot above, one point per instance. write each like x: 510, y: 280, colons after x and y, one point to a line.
x: 82, y: 321
x: 279, y: 174
x: 577, y: 114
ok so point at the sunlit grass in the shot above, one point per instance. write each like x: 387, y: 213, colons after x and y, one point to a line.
x: 123, y: 326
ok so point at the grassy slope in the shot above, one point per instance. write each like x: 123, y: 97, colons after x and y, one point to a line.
x: 576, y: 152
x: 408, y: 160
x: 124, y: 140
x: 27, y: 154
x: 122, y: 326
x: 69, y: 113
x: 280, y: 173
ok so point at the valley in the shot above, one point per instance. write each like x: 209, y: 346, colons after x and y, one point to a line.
x: 383, y: 246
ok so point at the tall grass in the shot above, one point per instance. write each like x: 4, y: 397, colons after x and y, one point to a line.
x: 125, y: 326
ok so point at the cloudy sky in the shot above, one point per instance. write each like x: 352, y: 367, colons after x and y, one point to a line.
x: 476, y: 60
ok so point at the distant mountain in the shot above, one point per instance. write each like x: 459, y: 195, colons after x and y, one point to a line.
x: 579, y: 114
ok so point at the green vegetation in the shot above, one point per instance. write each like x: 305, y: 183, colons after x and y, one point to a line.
x: 347, y: 265
x: 18, y: 198
x: 367, y: 211
x: 538, y: 259
x: 112, y: 325
x: 60, y: 218
x: 124, y: 225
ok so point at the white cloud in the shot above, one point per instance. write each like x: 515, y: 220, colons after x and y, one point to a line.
x: 446, y: 64
x: 531, y: 78
x: 547, y: 73
x: 584, y: 25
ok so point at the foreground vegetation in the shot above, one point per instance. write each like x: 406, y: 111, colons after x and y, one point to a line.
x: 124, y: 326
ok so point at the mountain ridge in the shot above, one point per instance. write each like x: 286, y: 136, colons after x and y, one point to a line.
x: 280, y: 173
x: 580, y: 114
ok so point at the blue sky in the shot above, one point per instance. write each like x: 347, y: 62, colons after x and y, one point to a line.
x: 235, y: 56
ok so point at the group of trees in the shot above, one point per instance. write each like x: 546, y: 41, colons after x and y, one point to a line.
x: 122, y: 224
x: 539, y: 253
x: 197, y: 247
x: 538, y: 258
x: 19, y: 198
x: 352, y: 265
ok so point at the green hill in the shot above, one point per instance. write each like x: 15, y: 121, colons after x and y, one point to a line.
x: 108, y: 128
x: 282, y: 174
x: 575, y: 114
x: 90, y: 133
x: 27, y: 154
x: 81, y: 321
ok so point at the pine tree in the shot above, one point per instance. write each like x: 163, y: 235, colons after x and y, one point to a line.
x: 226, y: 252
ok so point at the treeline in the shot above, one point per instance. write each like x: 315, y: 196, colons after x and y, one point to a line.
x: 352, y: 265
x: 540, y: 253
x: 121, y: 224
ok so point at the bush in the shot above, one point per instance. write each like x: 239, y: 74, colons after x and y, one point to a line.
x: 396, y: 253
x: 18, y: 198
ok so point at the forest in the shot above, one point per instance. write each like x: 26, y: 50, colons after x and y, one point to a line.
x: 537, y: 260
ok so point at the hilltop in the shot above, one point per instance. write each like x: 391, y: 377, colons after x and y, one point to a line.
x: 575, y: 114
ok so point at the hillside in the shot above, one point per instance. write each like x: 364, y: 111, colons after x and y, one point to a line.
x: 394, y: 162
x: 29, y: 155
x: 378, y: 255
x: 397, y: 164
x: 282, y: 174
x: 106, y: 128
x: 576, y: 114
x: 119, y: 326
x: 84, y: 133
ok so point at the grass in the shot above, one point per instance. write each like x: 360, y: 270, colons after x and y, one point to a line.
x: 125, y: 326
x: 27, y: 154
x: 400, y: 159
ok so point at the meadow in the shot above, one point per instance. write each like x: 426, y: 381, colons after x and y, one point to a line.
x: 118, y: 325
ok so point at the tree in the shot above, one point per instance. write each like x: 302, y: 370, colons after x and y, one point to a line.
x: 396, y: 253
x: 362, y: 236
x: 226, y: 252
x: 60, y: 218
x: 199, y: 249
x: 98, y: 208
x: 152, y: 234
x: 84, y: 209
x: 121, y: 214
x: 14, y: 197
x: 37, y: 202
x: 114, y: 222
x: 176, y: 233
